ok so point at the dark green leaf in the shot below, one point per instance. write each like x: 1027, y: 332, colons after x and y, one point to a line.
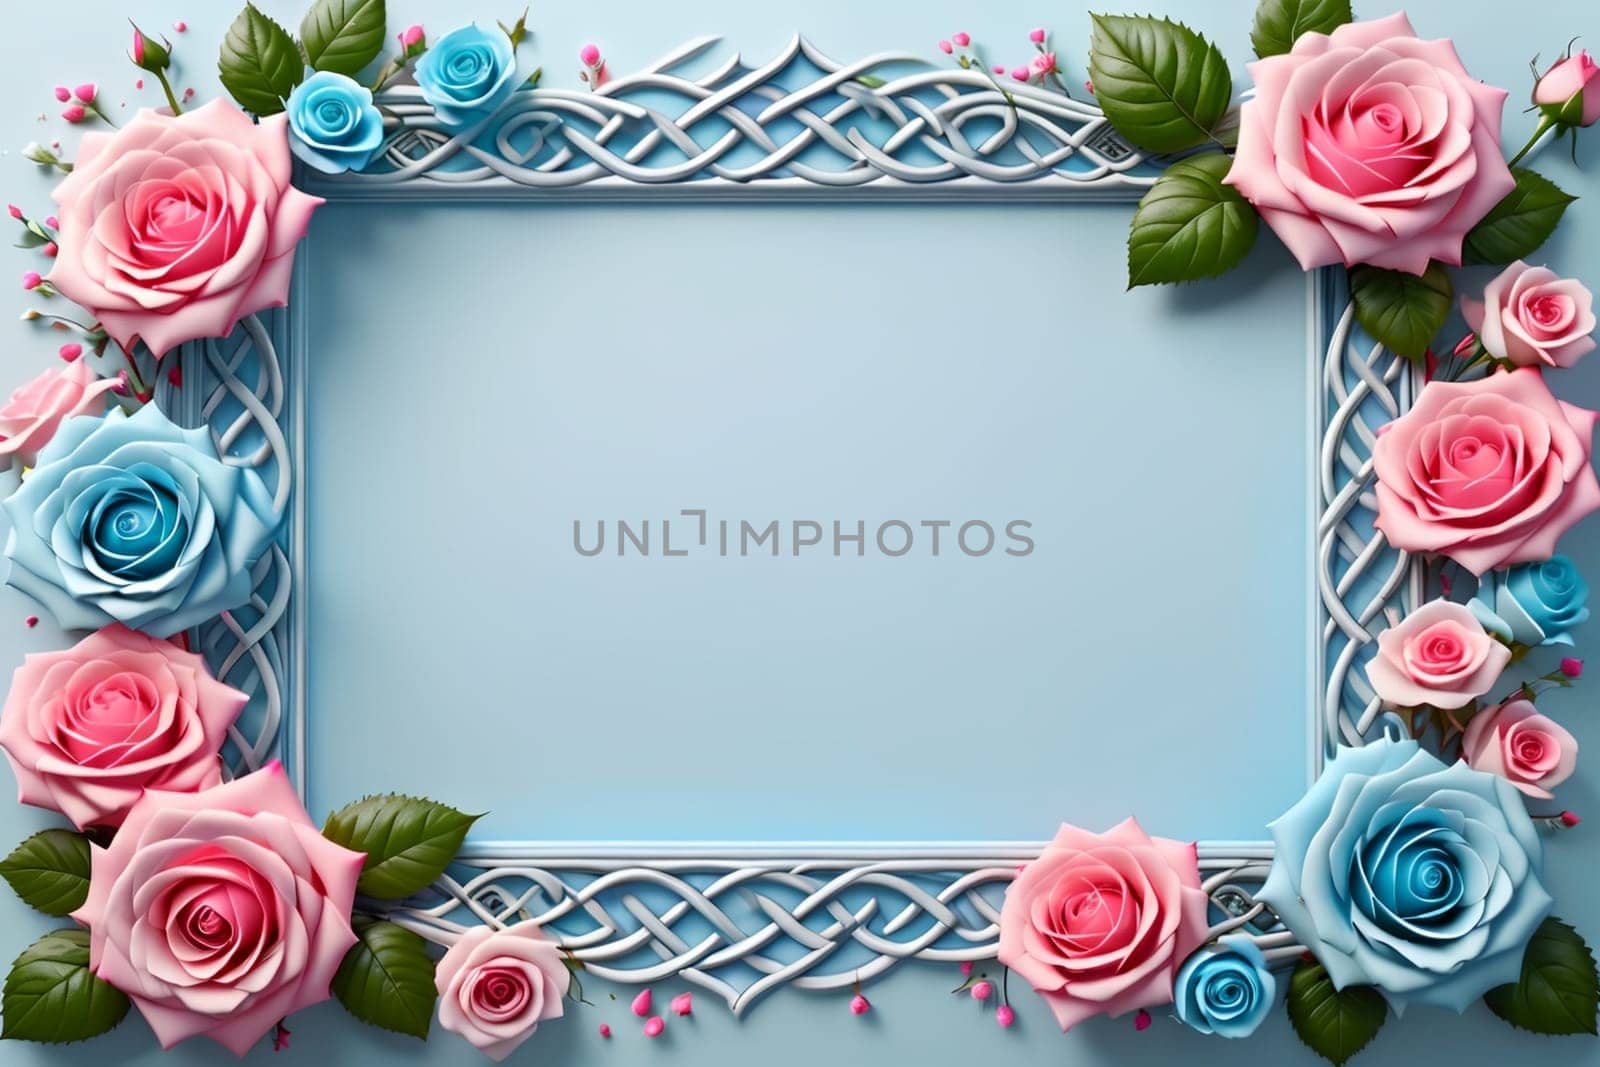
x: 1335, y: 1024
x: 1163, y: 86
x: 1279, y: 23
x: 50, y: 871
x: 1559, y: 989
x: 344, y: 35
x: 409, y: 841
x: 1520, y: 223
x: 386, y: 979
x: 51, y: 996
x: 1403, y: 311
x: 260, y: 63
x: 1189, y: 225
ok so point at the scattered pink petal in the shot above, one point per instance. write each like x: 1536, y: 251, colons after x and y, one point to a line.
x: 1005, y: 1016
x: 605, y: 1030
x: 139, y: 84
x: 74, y: 113
x: 1021, y: 74
x: 860, y: 1005
x: 53, y: 222
x: 962, y: 39
x: 33, y: 620
x: 70, y: 352
x: 643, y: 1003
x: 683, y: 1004
x: 947, y: 48
x: 654, y: 1026
x: 1570, y: 819
x: 1141, y: 1022
x: 982, y: 991
x: 966, y: 968
x: 1572, y: 668
x: 63, y: 94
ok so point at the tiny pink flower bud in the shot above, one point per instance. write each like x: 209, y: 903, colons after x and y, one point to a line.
x: 87, y: 92
x: 63, y: 94
x: 181, y: 26
x: 70, y: 352
x: 412, y: 35
x: 1005, y: 1016
x: 1569, y: 819
x: 859, y: 1005
x: 74, y: 113
x: 605, y: 1029
x: 962, y: 39
x: 1572, y: 667
x: 947, y: 48
x: 1021, y: 74
x: 966, y: 969
x: 50, y: 249
x: 654, y: 1026
x: 683, y: 1004
x: 16, y: 212
x: 982, y: 991
x: 1037, y: 36
x: 1569, y: 92
x: 31, y: 621
x: 53, y: 222
x: 188, y: 94
x: 998, y: 69
x: 643, y: 1003
x: 1464, y: 345
x: 139, y: 84
x: 590, y: 56
x: 31, y: 280
x: 1141, y: 1022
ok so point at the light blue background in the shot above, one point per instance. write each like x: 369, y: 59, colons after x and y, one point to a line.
x: 915, y: 1019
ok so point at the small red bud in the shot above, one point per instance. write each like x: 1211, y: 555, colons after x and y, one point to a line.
x: 1569, y: 819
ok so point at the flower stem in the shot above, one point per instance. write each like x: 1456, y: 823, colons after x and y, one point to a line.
x: 166, y: 87
x: 1546, y: 124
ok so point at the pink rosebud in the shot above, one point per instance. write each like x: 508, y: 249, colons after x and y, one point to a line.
x: 1044, y: 63
x: 31, y: 280
x: 605, y: 1030
x: 643, y: 1003
x: 1005, y: 1016
x: 859, y: 1005
x: 181, y: 26
x: 1569, y: 92
x: 947, y: 48
x: 1572, y: 668
x: 53, y: 222
x: 63, y: 94
x: 1141, y: 1022
x: 590, y: 55
x: 16, y: 212
x: 1569, y: 819
x: 966, y: 968
x: 982, y: 991
x: 961, y: 39
x: 1464, y: 345
x: 74, y: 113
x: 1021, y: 74
x: 683, y: 1004
x: 1037, y: 36
x: 31, y: 621
x: 87, y: 92
x: 654, y: 1026
x: 50, y: 249
x: 411, y: 35
x: 70, y: 352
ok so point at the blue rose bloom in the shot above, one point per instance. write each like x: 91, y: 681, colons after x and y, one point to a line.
x: 468, y: 75
x: 134, y: 519
x: 1401, y: 873
x: 1226, y: 990
x: 1534, y: 604
x: 332, y: 123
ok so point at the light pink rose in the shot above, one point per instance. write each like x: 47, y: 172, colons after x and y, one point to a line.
x: 1532, y: 316
x: 1440, y: 655
x: 1570, y: 90
x: 1529, y: 750
x: 30, y: 418
x: 1489, y: 472
x: 89, y: 729
x: 1369, y: 145
x: 221, y: 912
x: 173, y: 229
x: 497, y: 986
x: 1100, y: 923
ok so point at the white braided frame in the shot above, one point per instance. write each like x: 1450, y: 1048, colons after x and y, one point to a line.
x: 741, y: 922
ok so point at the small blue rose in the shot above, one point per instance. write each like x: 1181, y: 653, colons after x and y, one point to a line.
x: 1534, y: 604
x: 1401, y: 873
x: 1226, y: 990
x: 468, y: 75
x: 134, y: 519
x: 332, y: 123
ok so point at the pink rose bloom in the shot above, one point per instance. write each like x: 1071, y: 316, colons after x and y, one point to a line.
x: 89, y: 729
x: 173, y: 229
x: 1100, y: 923
x: 497, y: 986
x: 1529, y: 750
x: 1489, y: 472
x: 1570, y: 91
x: 1440, y: 655
x: 220, y: 912
x: 29, y: 419
x: 1532, y: 316
x: 1369, y: 145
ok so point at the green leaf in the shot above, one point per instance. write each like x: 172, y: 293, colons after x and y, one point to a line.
x: 1279, y: 23
x: 1559, y: 989
x: 1189, y: 225
x: 51, y: 996
x: 50, y: 871
x: 1335, y: 1024
x: 1520, y: 223
x: 1163, y: 86
x: 409, y: 841
x: 870, y: 81
x: 1403, y: 311
x: 344, y: 35
x: 386, y: 978
x: 260, y: 64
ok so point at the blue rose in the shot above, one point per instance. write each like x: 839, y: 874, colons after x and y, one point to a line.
x: 332, y: 123
x: 1534, y: 604
x: 136, y: 520
x: 1401, y: 873
x: 468, y: 75
x: 1226, y: 990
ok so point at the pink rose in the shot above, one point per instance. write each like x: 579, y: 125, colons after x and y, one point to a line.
x: 220, y: 912
x: 1569, y: 92
x: 1532, y: 752
x: 1100, y: 923
x: 1440, y: 655
x: 1533, y: 316
x: 1371, y: 146
x: 173, y: 229
x: 89, y: 729
x: 29, y: 419
x: 1489, y: 472
x: 497, y: 986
